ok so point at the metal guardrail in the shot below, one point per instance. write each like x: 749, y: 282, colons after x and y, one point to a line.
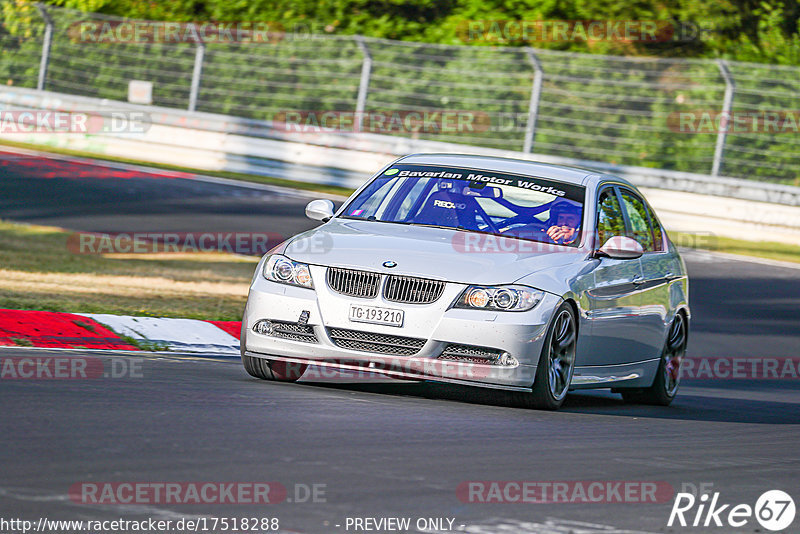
x: 604, y: 109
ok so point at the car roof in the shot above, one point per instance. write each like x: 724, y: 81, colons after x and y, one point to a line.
x: 564, y: 173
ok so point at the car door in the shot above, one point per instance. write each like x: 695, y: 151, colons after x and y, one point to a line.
x: 615, y: 299
x: 659, y: 268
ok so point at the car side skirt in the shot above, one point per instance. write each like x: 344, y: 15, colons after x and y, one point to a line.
x: 636, y: 374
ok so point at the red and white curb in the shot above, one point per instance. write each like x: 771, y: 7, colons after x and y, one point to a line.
x: 104, y: 331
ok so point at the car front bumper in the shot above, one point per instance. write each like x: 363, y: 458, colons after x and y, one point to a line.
x: 520, y: 334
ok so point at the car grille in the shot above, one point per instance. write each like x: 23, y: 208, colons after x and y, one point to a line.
x: 353, y: 283
x: 378, y: 343
x: 294, y: 331
x: 410, y: 290
x: 471, y: 354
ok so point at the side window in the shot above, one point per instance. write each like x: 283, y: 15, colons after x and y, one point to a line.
x: 609, y: 217
x: 639, y: 219
x: 658, y: 233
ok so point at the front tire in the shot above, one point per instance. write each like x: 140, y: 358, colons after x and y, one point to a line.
x: 256, y: 367
x: 273, y: 370
x: 556, y: 363
x: 267, y: 369
x: 668, y: 378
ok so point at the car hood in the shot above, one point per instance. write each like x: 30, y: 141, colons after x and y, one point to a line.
x: 436, y: 253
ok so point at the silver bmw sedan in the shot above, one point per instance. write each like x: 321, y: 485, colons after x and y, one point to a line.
x: 483, y: 271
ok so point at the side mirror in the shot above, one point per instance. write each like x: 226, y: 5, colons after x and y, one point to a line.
x: 319, y: 210
x: 622, y: 248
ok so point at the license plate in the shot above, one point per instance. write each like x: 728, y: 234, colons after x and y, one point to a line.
x: 375, y: 315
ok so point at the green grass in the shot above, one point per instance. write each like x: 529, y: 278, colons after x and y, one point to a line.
x: 759, y: 249
x: 145, y: 345
x: 85, y: 325
x: 305, y: 186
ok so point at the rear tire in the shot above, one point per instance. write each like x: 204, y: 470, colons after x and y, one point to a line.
x: 556, y: 363
x: 668, y: 377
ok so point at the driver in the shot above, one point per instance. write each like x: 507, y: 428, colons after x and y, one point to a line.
x: 565, y: 220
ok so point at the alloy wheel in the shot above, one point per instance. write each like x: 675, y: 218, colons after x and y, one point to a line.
x: 562, y: 354
x: 674, y: 354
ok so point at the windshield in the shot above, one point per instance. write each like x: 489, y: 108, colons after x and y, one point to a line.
x: 521, y: 207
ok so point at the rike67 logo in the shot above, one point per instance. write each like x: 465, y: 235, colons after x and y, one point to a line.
x: 774, y: 510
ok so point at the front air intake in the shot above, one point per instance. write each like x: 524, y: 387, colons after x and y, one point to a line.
x: 471, y: 354
x: 376, y: 343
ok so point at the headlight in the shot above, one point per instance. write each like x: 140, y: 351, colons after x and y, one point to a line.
x: 285, y: 271
x: 503, y: 298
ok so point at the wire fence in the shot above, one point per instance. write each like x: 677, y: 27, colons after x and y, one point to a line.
x: 662, y: 113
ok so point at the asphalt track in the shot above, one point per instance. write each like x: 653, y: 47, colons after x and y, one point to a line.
x: 398, y: 449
